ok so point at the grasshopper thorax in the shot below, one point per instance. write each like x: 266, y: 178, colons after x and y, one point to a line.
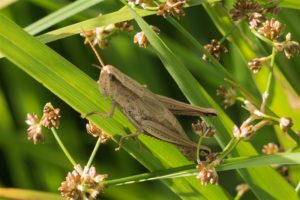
x: 107, y: 81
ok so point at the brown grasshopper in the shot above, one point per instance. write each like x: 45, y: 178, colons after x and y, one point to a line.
x: 151, y: 114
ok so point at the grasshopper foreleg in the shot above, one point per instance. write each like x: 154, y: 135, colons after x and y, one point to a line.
x: 108, y: 115
x: 138, y: 131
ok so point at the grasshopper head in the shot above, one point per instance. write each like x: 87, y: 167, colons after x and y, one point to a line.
x: 107, y: 81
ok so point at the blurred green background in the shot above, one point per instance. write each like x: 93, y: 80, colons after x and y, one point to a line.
x: 44, y: 167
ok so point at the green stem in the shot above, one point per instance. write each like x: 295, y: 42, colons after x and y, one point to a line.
x: 163, y: 174
x: 60, y: 143
x: 237, y: 197
x: 94, y: 152
x: 198, y: 148
x: 230, y: 146
x: 270, y: 78
x: 276, y: 119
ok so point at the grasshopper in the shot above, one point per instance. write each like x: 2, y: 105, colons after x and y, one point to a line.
x: 150, y: 113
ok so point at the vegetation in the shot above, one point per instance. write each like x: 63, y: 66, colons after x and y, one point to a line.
x: 238, y: 57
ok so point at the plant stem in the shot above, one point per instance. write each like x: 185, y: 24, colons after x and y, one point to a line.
x: 162, y: 174
x: 270, y: 78
x: 198, y: 148
x: 60, y: 143
x: 97, y: 145
x: 230, y: 146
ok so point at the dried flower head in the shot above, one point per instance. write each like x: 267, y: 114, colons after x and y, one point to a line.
x: 244, y: 132
x: 97, y: 132
x: 271, y: 29
x: 270, y: 148
x: 228, y: 95
x: 82, y: 184
x: 174, y: 7
x: 248, y: 10
x: 202, y: 129
x: 51, y: 117
x: 143, y: 3
x: 242, y: 189
x: 101, y: 35
x: 34, y: 131
x: 290, y: 48
x: 124, y: 26
x: 256, y: 64
x: 141, y: 39
x: 207, y: 175
x: 215, y: 49
x: 285, y: 123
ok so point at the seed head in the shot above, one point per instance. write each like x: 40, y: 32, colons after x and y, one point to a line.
x: 285, y: 123
x: 270, y: 148
x: 51, y: 117
x: 202, y: 129
x: 82, y: 184
x: 244, y: 132
x: 215, y: 49
x: 207, y: 175
x: 174, y: 7
x: 248, y: 10
x: 290, y: 48
x: 101, y: 35
x: 271, y: 29
x: 34, y: 131
x: 256, y: 64
x: 97, y: 132
x: 141, y: 39
x: 228, y: 95
x: 143, y: 3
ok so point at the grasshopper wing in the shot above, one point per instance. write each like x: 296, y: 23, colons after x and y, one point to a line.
x: 180, y: 108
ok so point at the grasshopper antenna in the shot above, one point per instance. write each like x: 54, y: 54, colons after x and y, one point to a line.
x: 94, y: 50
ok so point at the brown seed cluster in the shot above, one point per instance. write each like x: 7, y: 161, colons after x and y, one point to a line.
x: 93, y: 130
x: 285, y: 123
x: 173, y: 7
x: 51, y: 119
x: 215, y: 49
x: 271, y: 29
x: 228, y: 96
x: 244, y: 132
x: 202, y: 129
x: 34, y: 131
x: 141, y: 39
x: 102, y: 35
x: 270, y: 148
x: 207, y: 175
x: 82, y: 184
x: 290, y: 48
x: 248, y: 10
x: 256, y: 64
